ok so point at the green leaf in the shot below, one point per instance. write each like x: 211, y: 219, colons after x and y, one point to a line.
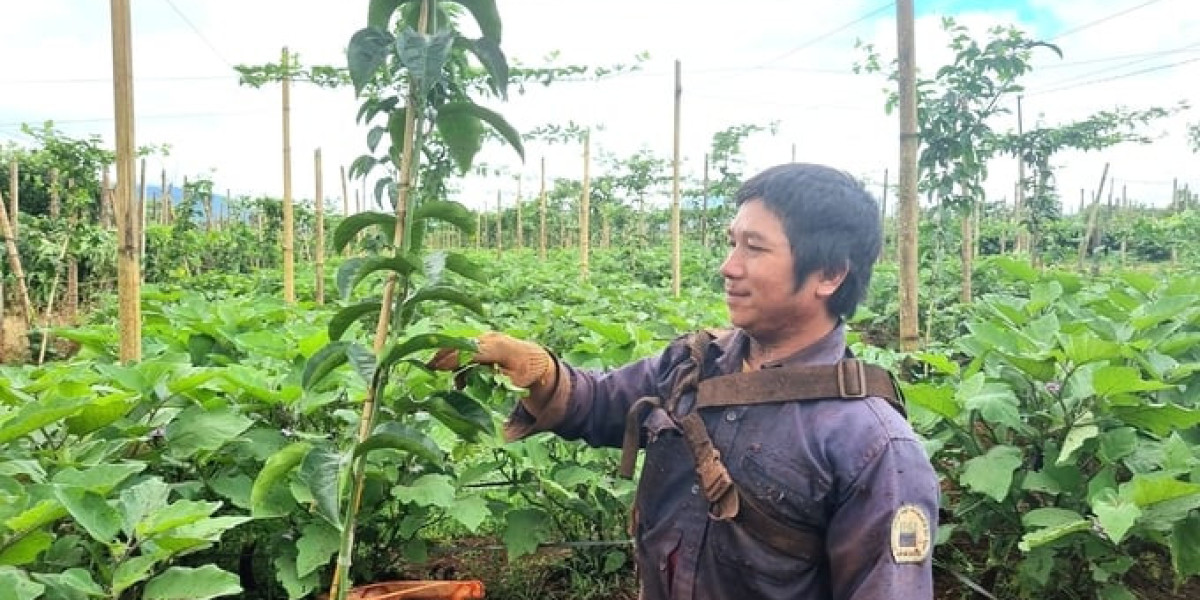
x: 1112, y: 380
x: 613, y: 561
x: 43, y: 513
x: 104, y: 412
x: 367, y: 51
x: 397, y: 264
x: 446, y: 211
x: 183, y: 583
x: 1159, y: 419
x: 1117, y: 443
x: 995, y: 402
x: 340, y: 322
x: 140, y: 501
x: 427, y: 490
x: 1041, y: 537
x: 15, y: 585
x: 461, y: 413
x: 276, y: 468
x: 397, y: 125
x: 465, y: 267
x: 940, y: 363
x: 26, y: 549
x: 493, y: 60
x: 497, y: 122
x: 321, y: 364
x: 1114, y: 591
x: 397, y: 436
x: 938, y: 399
x: 1049, y: 517
x: 349, y: 228
x: 463, y: 134
x: 992, y: 473
x: 317, y: 544
x: 72, y: 583
x: 177, y: 514
x: 44, y: 411
x: 1185, y: 547
x: 321, y: 471
x: 486, y: 16
x: 1084, y: 347
x: 131, y: 571
x: 90, y: 511
x: 443, y: 293
x: 1145, y: 490
x: 363, y: 361
x: 1074, y: 441
x: 471, y: 512
x: 524, y: 529
x: 1018, y: 269
x: 1116, y: 514
x: 100, y: 479
x: 196, y: 429
x: 423, y: 341
x: 296, y: 587
x: 379, y: 13
x: 424, y: 56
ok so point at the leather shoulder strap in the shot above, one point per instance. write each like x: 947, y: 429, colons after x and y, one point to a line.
x: 847, y: 379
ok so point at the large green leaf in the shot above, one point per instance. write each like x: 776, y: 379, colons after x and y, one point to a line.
x: 70, y: 584
x: 363, y: 361
x: 15, y: 585
x: 321, y: 471
x: 471, y: 512
x: 938, y: 399
x: 1159, y: 419
x: 1185, y: 547
x: 379, y: 12
x: 318, y: 542
x: 1074, y: 441
x: 447, y: 211
x: 176, y: 514
x: 422, y: 341
x: 992, y: 473
x: 1084, y: 347
x: 461, y: 413
x: 276, y: 468
x: 346, y: 317
x: 493, y: 60
x: 350, y: 227
x: 91, y: 511
x: 524, y: 529
x: 42, y: 412
x: 463, y: 134
x: 1145, y: 490
x: 397, y: 264
x: 996, y: 402
x: 486, y: 16
x: 427, y: 490
x: 104, y: 412
x: 101, y: 479
x: 367, y: 51
x: 297, y: 587
x: 139, y: 501
x: 197, y: 429
x: 26, y: 549
x: 323, y: 362
x: 131, y: 571
x: 424, y: 56
x: 464, y: 266
x: 492, y: 118
x: 398, y: 436
x: 1112, y: 380
x: 443, y: 293
x: 184, y: 583
x: 1116, y: 514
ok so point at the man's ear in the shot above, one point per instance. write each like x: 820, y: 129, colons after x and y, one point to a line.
x: 828, y: 281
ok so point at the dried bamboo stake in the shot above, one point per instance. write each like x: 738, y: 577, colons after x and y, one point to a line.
x: 55, y: 206
x: 1085, y: 243
x: 128, y: 267
x: 585, y: 206
x: 164, y: 212
x: 676, y: 244
x: 542, y: 214
x: 345, y: 203
x: 14, y: 262
x: 319, y: 208
x: 14, y: 198
x: 704, y: 205
x: 50, y: 301
x: 499, y: 226
x: 141, y: 212
x: 520, y: 223
x: 289, y: 250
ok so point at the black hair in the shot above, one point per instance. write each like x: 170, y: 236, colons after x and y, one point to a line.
x: 831, y: 221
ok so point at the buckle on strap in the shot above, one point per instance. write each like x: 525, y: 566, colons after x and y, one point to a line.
x: 851, y: 370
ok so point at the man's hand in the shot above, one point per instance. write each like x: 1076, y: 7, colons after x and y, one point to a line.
x: 528, y: 365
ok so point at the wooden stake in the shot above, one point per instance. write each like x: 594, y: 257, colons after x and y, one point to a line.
x: 585, y: 208
x: 128, y: 267
x: 883, y: 215
x: 55, y: 205
x: 908, y: 211
x: 141, y: 212
x: 704, y: 205
x: 14, y: 198
x: 289, y: 226
x: 1086, y: 243
x: 345, y: 203
x: 14, y: 263
x: 319, y: 208
x: 164, y: 213
x: 676, y: 245
x: 542, y: 213
x: 1019, y: 201
x: 499, y: 226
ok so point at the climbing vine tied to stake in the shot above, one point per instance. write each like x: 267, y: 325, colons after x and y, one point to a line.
x: 412, y: 67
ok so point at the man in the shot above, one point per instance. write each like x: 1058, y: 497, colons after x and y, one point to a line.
x: 814, y: 498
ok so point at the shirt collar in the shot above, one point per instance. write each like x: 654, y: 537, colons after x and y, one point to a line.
x: 828, y: 350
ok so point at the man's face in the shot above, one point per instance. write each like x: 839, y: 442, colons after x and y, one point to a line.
x: 760, y: 289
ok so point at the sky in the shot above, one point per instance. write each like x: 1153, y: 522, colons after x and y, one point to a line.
x: 753, y: 61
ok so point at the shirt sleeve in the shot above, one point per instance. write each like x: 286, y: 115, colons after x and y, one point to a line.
x: 880, y: 536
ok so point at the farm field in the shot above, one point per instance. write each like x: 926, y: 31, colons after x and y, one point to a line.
x: 253, y: 395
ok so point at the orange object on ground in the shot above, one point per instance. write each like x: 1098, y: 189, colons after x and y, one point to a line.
x: 419, y: 590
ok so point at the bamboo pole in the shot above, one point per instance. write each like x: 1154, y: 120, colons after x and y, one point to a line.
x: 704, y: 205
x: 41, y: 358
x: 967, y: 252
x: 128, y: 267
x: 14, y: 198
x: 585, y: 206
x: 319, y: 208
x: 1021, y: 244
x: 345, y: 203
x: 499, y: 226
x: 520, y: 226
x: 908, y: 214
x: 676, y: 244
x: 14, y: 263
x: 55, y: 205
x: 883, y: 215
x: 1086, y: 243
x: 141, y: 212
x: 479, y: 230
x: 164, y: 213
x: 289, y: 226
x: 542, y: 213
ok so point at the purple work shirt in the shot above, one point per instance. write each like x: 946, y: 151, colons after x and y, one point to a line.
x: 852, y: 470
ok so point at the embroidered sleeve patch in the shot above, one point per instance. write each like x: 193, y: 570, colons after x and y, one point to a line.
x: 910, y: 534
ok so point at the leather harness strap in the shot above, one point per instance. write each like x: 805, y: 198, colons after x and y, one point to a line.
x: 849, y: 379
